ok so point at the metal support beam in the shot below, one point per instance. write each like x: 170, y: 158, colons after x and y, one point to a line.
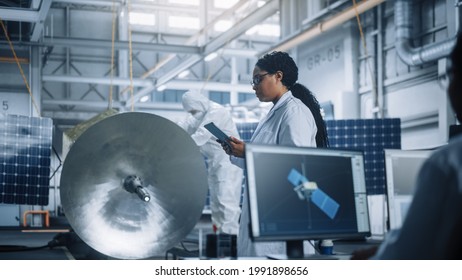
x: 210, y: 86
x: 94, y: 80
x: 38, y: 27
x: 35, y: 80
x: 119, y: 45
x: 195, y: 39
x: 23, y: 15
x: 89, y: 2
x: 146, y: 6
x: 269, y: 9
x: 176, y: 84
x: 103, y: 105
x: 242, y: 26
x: 324, y: 26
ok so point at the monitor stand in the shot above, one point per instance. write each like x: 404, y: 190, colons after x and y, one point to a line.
x: 294, y: 251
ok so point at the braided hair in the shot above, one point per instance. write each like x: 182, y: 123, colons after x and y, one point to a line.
x: 281, y: 61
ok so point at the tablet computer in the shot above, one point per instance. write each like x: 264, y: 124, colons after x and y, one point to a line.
x: 218, y: 133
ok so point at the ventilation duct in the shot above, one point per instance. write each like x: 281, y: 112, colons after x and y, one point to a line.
x: 415, y: 56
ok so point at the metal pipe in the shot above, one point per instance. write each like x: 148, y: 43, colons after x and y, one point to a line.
x: 324, y: 26
x: 403, y: 35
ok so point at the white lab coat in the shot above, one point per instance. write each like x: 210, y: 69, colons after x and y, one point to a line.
x: 224, y: 179
x: 432, y: 228
x: 288, y: 123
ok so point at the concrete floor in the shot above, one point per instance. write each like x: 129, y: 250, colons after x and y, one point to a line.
x: 18, y: 243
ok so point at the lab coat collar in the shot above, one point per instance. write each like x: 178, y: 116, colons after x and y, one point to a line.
x: 281, y: 102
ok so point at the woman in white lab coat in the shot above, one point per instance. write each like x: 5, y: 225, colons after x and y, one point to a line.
x: 289, y: 122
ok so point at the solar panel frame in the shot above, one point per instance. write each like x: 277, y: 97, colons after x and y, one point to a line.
x: 25, y: 151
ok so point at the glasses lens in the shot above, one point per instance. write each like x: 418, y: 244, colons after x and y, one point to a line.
x: 257, y: 79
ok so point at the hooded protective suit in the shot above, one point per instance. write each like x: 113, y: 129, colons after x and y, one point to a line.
x: 224, y: 178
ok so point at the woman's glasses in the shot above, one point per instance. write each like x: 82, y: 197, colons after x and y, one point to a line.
x: 256, y: 80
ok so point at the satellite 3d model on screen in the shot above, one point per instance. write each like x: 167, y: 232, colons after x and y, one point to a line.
x: 311, y: 192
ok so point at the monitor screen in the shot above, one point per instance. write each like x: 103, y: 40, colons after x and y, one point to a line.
x: 401, y: 168
x: 306, y: 193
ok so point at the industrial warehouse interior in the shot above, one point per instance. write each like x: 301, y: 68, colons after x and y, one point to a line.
x: 96, y: 164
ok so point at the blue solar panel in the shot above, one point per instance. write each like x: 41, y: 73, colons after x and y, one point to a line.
x: 246, y: 130
x: 325, y: 203
x: 371, y: 136
x: 25, y: 151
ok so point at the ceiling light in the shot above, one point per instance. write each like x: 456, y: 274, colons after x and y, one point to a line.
x: 161, y: 88
x: 144, y: 98
x: 261, y: 4
x: 183, y: 74
x: 211, y: 56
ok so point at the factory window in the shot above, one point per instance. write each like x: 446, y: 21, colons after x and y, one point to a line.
x: 327, y: 3
x: 220, y: 97
x: 272, y: 30
x: 222, y: 25
x: 183, y: 22
x: 142, y: 19
x: 224, y: 4
x: 169, y: 95
x: 245, y: 96
x: 185, y: 2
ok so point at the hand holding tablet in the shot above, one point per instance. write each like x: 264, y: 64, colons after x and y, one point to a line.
x: 218, y: 133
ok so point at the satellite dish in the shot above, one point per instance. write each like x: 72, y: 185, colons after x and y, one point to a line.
x: 133, y: 185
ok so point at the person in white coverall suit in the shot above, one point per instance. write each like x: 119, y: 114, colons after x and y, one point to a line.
x: 224, y: 178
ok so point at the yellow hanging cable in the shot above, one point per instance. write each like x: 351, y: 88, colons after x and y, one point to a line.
x: 112, y: 53
x: 130, y: 58
x: 363, y: 39
x: 20, y: 68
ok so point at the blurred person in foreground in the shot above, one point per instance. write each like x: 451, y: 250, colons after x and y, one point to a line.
x: 432, y: 228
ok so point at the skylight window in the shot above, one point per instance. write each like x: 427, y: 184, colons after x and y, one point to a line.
x: 222, y: 25
x: 183, y: 22
x: 142, y: 19
x: 261, y: 4
x: 185, y: 2
x: 224, y: 4
x: 272, y: 30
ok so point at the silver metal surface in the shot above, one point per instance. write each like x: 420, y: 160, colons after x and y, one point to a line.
x: 117, y: 222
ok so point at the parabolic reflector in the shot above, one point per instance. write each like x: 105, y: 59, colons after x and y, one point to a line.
x: 133, y: 185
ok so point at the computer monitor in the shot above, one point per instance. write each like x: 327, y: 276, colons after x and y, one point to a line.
x: 401, y: 168
x: 298, y: 194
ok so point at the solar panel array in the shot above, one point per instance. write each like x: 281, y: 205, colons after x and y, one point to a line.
x: 246, y: 130
x: 25, y: 151
x: 371, y: 136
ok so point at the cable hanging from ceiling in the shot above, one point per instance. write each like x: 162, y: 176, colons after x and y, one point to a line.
x: 114, y: 17
x: 130, y: 53
x: 363, y: 39
x: 20, y: 67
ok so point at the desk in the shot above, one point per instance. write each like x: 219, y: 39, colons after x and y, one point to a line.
x: 345, y: 248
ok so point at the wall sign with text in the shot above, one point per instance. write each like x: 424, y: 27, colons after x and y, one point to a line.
x: 324, y: 56
x: 14, y: 103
